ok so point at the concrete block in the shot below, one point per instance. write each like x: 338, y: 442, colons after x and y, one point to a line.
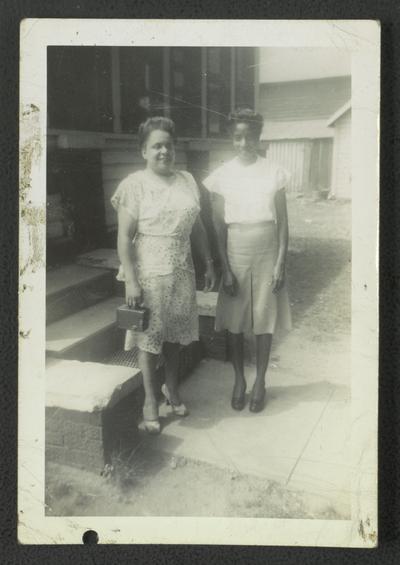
x: 92, y: 411
x: 214, y: 343
x: 88, y: 387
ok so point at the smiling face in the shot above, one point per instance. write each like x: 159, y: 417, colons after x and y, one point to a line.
x: 159, y: 152
x: 245, y: 142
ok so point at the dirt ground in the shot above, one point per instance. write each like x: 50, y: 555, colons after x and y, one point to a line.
x: 319, y: 280
x: 163, y: 485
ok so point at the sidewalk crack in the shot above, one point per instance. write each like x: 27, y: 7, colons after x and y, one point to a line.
x: 309, y: 437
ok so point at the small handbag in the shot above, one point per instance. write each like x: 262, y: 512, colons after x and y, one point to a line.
x: 134, y: 319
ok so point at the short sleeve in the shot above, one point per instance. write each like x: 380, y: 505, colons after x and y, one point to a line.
x: 127, y: 196
x: 193, y: 186
x: 282, y: 178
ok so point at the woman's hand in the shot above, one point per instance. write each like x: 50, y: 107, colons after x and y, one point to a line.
x: 229, y: 283
x: 133, y: 294
x: 209, y: 277
x: 278, y: 278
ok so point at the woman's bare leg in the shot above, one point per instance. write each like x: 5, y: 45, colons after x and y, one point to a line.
x: 147, y: 365
x: 171, y: 353
x: 235, y: 343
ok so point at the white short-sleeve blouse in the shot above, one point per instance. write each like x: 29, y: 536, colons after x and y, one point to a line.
x: 248, y: 190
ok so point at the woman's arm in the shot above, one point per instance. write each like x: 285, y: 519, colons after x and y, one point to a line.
x: 126, y: 232
x: 218, y: 205
x: 200, y: 240
x: 283, y: 240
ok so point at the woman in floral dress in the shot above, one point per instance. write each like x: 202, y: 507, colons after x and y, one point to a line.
x: 158, y: 209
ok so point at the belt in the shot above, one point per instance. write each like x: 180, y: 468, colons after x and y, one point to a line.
x: 237, y: 225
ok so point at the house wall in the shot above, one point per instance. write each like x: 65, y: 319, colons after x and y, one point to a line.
x: 296, y: 115
x: 120, y: 156
x: 304, y: 100
x: 309, y: 162
x: 113, y: 89
x: 341, y: 185
x: 293, y: 155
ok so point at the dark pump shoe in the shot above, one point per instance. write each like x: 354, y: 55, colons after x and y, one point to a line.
x: 238, y: 402
x: 257, y: 404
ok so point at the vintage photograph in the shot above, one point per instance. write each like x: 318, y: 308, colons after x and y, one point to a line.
x: 198, y: 279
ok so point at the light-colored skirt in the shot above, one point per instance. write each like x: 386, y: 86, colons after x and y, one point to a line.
x: 171, y: 300
x: 252, y: 252
x: 165, y: 272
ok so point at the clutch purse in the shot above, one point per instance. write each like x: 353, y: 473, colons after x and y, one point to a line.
x: 134, y: 319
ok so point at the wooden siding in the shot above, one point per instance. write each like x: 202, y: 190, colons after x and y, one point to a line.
x: 341, y: 186
x: 303, y: 100
x: 292, y: 155
x: 309, y: 162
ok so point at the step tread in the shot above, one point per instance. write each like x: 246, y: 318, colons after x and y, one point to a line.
x: 73, y: 329
x: 88, y: 386
x: 68, y: 276
x: 104, y: 258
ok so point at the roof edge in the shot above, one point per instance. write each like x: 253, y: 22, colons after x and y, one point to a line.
x: 339, y: 113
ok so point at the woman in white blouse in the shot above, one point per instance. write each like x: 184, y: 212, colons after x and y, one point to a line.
x: 250, y: 218
x: 158, y: 209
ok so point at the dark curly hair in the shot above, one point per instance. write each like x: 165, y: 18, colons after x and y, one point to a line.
x: 246, y: 115
x: 155, y: 123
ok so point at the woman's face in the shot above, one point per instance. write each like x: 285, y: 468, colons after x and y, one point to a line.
x: 159, y: 152
x: 245, y: 142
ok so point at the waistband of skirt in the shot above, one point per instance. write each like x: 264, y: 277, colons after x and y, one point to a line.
x: 237, y: 226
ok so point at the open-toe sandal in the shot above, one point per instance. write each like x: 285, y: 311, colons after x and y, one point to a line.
x: 177, y: 409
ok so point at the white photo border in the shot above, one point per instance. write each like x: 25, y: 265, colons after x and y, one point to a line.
x: 360, y: 38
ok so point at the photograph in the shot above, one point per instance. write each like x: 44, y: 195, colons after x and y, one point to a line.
x: 198, y: 282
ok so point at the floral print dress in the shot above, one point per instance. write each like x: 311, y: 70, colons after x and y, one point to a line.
x: 165, y: 211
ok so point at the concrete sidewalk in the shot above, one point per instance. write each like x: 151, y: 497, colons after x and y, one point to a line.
x: 300, y: 440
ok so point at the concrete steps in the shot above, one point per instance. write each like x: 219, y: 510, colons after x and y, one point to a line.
x: 72, y: 288
x: 100, y: 258
x: 90, y: 334
x: 94, y: 395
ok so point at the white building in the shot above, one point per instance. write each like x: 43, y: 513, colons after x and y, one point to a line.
x: 301, y: 90
x: 340, y: 122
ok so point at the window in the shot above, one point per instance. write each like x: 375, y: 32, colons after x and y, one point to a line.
x: 244, y: 76
x: 79, y: 88
x: 218, y: 89
x: 142, y: 88
x: 185, y: 90
x: 114, y: 89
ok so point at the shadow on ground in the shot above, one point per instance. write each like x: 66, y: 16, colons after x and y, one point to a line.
x: 313, y: 265
x: 211, y: 409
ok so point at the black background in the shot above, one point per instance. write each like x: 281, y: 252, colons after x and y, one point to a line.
x: 388, y: 12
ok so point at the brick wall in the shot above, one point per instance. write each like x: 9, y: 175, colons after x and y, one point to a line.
x: 89, y: 440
